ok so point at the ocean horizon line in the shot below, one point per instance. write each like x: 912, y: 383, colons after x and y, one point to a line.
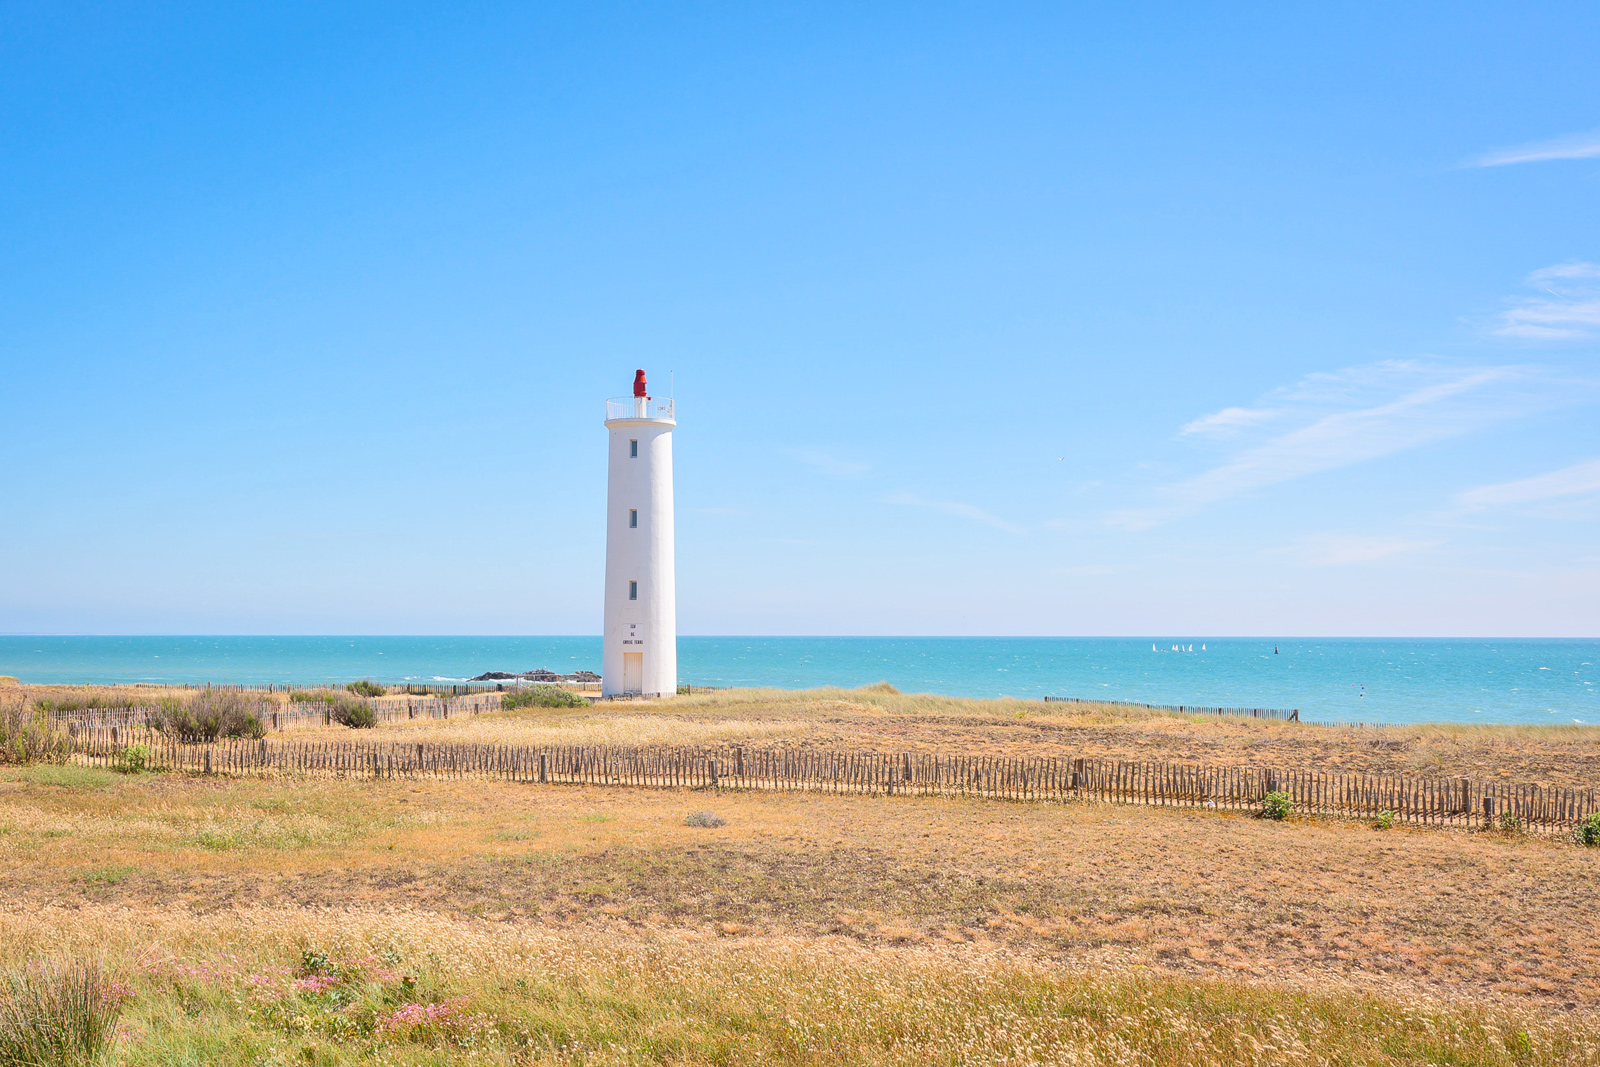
x: 839, y: 637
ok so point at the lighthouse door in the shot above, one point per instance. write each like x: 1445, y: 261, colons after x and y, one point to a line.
x: 633, y: 672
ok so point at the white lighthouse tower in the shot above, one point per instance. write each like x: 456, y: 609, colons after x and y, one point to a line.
x: 640, y: 655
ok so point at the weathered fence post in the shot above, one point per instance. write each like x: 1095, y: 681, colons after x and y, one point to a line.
x: 544, y: 767
x: 711, y: 766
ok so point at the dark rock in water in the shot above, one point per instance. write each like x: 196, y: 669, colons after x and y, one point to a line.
x: 540, y: 675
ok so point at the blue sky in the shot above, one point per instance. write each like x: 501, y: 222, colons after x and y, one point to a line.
x: 987, y: 319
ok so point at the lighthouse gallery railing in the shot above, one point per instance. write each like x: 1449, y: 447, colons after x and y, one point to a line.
x: 639, y: 407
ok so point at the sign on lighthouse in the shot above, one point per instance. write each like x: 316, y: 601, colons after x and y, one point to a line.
x: 640, y: 656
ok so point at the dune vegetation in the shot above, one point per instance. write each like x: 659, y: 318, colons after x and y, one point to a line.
x: 277, y: 919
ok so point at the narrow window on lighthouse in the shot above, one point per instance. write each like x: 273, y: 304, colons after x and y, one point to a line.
x: 633, y: 590
x: 633, y: 449
x: 633, y: 518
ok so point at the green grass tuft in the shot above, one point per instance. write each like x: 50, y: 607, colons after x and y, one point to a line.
x: 115, y: 875
x: 57, y: 1014
x: 65, y: 776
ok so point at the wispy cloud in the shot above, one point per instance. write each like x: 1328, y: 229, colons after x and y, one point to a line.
x: 1571, y: 146
x: 1228, y: 422
x: 825, y: 463
x: 1580, y: 479
x: 951, y: 507
x: 1570, y: 309
x: 1337, y: 550
x: 1354, y: 416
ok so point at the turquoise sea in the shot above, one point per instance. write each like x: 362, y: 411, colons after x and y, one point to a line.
x: 1355, y: 679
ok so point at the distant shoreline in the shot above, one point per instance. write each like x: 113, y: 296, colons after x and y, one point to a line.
x: 1527, y: 680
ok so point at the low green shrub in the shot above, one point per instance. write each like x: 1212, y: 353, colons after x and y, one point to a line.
x: 354, y: 714
x: 1384, y: 821
x: 208, y: 715
x: 1510, y: 822
x: 28, y: 736
x: 58, y: 1015
x: 1276, y: 805
x: 1588, y: 831
x: 132, y: 759
x: 705, y: 818
x: 542, y: 696
x: 312, y: 696
x: 365, y: 688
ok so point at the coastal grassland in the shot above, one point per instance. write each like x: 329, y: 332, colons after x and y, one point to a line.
x: 263, y: 985
x: 1180, y: 892
x: 286, y: 920
x: 317, y: 920
x: 89, y: 697
x: 877, y: 718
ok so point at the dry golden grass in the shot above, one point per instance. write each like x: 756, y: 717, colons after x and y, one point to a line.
x: 1187, y: 892
x: 277, y: 986
x: 98, y: 696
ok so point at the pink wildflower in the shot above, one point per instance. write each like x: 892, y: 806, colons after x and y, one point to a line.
x: 116, y: 993
x: 410, y: 1017
x: 317, y: 983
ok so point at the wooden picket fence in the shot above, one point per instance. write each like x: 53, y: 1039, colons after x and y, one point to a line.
x: 1282, y: 714
x: 276, y: 716
x: 1420, y: 801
